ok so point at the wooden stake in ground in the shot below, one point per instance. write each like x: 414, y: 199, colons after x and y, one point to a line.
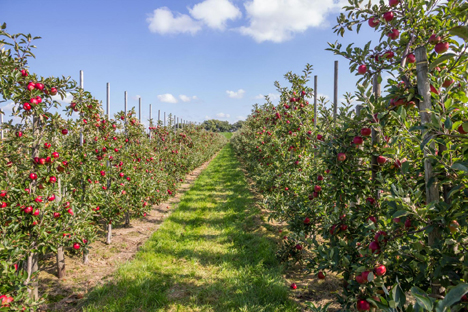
x: 432, y: 192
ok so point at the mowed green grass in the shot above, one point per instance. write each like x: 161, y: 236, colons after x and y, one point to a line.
x: 228, y: 135
x: 209, y: 255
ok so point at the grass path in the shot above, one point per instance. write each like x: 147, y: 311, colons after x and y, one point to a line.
x: 209, y: 255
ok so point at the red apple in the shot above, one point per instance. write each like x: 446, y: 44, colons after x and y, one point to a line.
x: 388, y: 16
x: 64, y: 131
x: 56, y: 215
x: 321, y: 275
x: 341, y: 156
x: 299, y: 247
x: 411, y: 58
x: 306, y: 220
x: 366, y: 131
x: 33, y: 176
x: 76, y: 246
x: 433, y: 39
x: 362, y: 69
x: 360, y: 279
x: 26, y: 106
x: 319, y: 178
x: 373, y: 22
x: 380, y: 270
x: 317, y: 188
x: 358, y: 140
x: 389, y: 54
x: 362, y: 305
x: 55, y: 155
x: 293, y: 286
x: 394, y: 34
x: 319, y: 137
x: 381, y: 160
x: 447, y: 83
x: 374, y: 247
x: 52, y: 179
x: 461, y: 130
x: 441, y: 47
x: 393, y: 3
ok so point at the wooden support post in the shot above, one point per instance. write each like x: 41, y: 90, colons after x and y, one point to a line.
x: 432, y: 192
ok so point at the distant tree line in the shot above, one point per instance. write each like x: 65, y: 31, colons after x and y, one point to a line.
x: 222, y: 126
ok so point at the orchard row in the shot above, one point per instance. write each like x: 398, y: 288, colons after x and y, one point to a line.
x: 377, y: 195
x: 63, y: 179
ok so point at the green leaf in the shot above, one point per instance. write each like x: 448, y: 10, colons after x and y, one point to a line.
x: 454, y: 296
x: 422, y: 298
x: 459, y: 166
x: 441, y: 59
x: 448, y: 123
x: 460, y: 31
x: 426, y: 140
x: 400, y: 213
x: 454, y: 190
x: 398, y: 295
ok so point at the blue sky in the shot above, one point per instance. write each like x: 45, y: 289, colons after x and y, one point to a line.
x: 196, y: 59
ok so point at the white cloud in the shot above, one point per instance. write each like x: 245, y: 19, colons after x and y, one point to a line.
x: 167, y: 98
x: 280, y: 20
x: 8, y: 110
x: 185, y: 98
x: 163, y: 21
x: 273, y: 96
x: 215, y: 13
x: 236, y: 95
x: 66, y: 100
x: 241, y: 118
x: 223, y: 115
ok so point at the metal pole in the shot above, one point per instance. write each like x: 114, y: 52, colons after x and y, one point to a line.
x: 375, y: 138
x: 108, y: 100
x: 315, y: 101
x: 335, y: 93
x: 1, y: 121
x: 139, y: 109
x: 82, y: 87
x: 159, y: 116
x: 150, y: 121
x: 125, y: 105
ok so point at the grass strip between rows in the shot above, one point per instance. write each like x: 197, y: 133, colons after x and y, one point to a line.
x: 209, y: 255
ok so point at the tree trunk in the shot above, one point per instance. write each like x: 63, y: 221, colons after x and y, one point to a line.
x: 86, y: 256
x: 31, y: 267
x: 61, y: 272
x: 127, y: 218
x: 109, y: 233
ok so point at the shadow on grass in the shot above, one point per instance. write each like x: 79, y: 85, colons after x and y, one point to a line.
x: 209, y: 255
